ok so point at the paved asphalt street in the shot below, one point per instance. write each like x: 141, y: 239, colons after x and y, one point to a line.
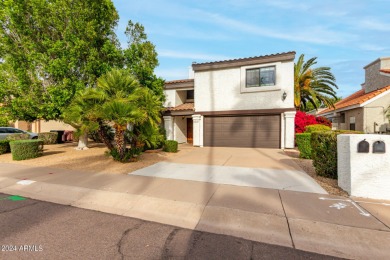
x: 32, y: 229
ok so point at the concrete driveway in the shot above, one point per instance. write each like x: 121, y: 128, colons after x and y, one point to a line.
x: 250, y: 167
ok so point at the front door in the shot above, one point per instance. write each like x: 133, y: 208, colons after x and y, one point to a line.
x: 189, y: 130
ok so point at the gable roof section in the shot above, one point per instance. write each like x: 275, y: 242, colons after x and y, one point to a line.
x: 387, y: 71
x: 284, y: 56
x: 179, y: 84
x: 356, y: 99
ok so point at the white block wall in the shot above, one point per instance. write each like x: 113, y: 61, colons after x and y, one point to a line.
x: 363, y: 174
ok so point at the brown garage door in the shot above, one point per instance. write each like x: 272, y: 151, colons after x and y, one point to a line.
x: 242, y: 131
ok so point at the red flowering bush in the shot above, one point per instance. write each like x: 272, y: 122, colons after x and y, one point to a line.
x: 302, y: 119
x: 323, y: 121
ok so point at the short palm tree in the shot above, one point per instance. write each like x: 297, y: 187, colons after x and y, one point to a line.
x: 313, y: 85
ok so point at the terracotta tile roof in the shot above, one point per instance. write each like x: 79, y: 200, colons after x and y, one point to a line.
x: 385, y: 71
x: 185, y: 106
x: 356, y: 98
x: 248, y: 58
x: 179, y: 81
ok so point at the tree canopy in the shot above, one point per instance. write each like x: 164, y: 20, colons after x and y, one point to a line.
x: 51, y: 49
x: 313, y: 85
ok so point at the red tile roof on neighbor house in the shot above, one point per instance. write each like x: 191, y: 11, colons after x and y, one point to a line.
x: 185, y: 106
x: 356, y: 98
x: 385, y: 71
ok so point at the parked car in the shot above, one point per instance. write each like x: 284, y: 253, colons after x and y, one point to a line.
x: 6, y: 131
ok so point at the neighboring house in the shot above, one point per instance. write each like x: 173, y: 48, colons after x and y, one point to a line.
x: 245, y: 102
x: 40, y: 126
x: 365, y: 110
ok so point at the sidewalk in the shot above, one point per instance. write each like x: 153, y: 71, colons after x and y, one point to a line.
x: 319, y: 223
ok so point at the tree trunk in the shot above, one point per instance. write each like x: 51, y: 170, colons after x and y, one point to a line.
x: 103, y: 136
x: 120, y: 142
x: 83, y: 142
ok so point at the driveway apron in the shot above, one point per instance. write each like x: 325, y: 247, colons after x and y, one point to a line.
x: 250, y: 167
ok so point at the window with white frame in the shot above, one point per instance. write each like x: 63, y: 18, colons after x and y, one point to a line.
x: 258, y: 77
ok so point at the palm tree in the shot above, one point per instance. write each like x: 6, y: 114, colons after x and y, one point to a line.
x: 127, y: 103
x: 81, y: 114
x: 313, y: 85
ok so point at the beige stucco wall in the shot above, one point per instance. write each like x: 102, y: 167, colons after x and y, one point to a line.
x: 221, y: 90
x: 46, y: 126
x: 23, y: 125
x: 180, y: 129
x: 373, y: 77
x: 358, y: 113
x: 375, y: 113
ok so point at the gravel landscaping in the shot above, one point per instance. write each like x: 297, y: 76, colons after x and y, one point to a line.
x: 94, y: 159
x: 330, y: 185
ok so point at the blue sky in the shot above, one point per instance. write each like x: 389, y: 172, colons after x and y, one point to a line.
x: 345, y: 35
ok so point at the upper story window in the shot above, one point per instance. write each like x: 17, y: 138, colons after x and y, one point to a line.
x: 190, y: 94
x: 259, y: 77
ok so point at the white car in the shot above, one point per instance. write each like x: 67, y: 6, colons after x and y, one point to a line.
x: 6, y: 131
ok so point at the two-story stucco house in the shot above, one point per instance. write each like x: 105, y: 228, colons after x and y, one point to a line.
x: 365, y: 110
x: 246, y: 102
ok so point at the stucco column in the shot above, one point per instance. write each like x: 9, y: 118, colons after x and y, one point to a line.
x: 168, y: 125
x: 289, y: 129
x: 198, y: 130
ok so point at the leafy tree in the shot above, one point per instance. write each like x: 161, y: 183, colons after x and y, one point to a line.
x: 313, y: 85
x: 140, y: 58
x: 50, y: 49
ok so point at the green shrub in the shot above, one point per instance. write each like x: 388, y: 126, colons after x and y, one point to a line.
x: 14, y: 137
x: 170, y: 146
x: 316, y: 128
x: 4, y: 146
x: 26, y: 149
x: 131, y: 154
x: 304, y: 145
x: 48, y: 137
x: 324, y: 151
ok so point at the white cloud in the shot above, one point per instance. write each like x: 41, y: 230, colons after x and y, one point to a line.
x: 172, y: 74
x: 373, y: 47
x: 313, y: 34
x: 191, y: 55
x: 372, y: 24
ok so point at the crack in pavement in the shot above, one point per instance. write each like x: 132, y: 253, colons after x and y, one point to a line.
x: 11, y: 210
x: 167, y: 243
x: 124, y: 234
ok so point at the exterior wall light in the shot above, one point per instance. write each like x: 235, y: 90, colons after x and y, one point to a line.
x: 284, y: 96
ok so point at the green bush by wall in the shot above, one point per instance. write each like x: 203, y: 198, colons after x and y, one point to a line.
x: 324, y: 151
x: 170, y: 146
x: 14, y: 137
x: 48, y: 137
x: 304, y: 145
x: 4, y: 146
x: 26, y: 149
x: 316, y: 128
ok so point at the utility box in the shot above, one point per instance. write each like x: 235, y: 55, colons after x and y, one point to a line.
x: 363, y: 166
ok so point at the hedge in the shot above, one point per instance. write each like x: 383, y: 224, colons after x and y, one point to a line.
x: 316, y: 127
x: 304, y: 146
x: 26, y: 149
x: 48, y: 137
x: 324, y: 151
x: 13, y: 137
x: 4, y: 146
x: 170, y: 146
